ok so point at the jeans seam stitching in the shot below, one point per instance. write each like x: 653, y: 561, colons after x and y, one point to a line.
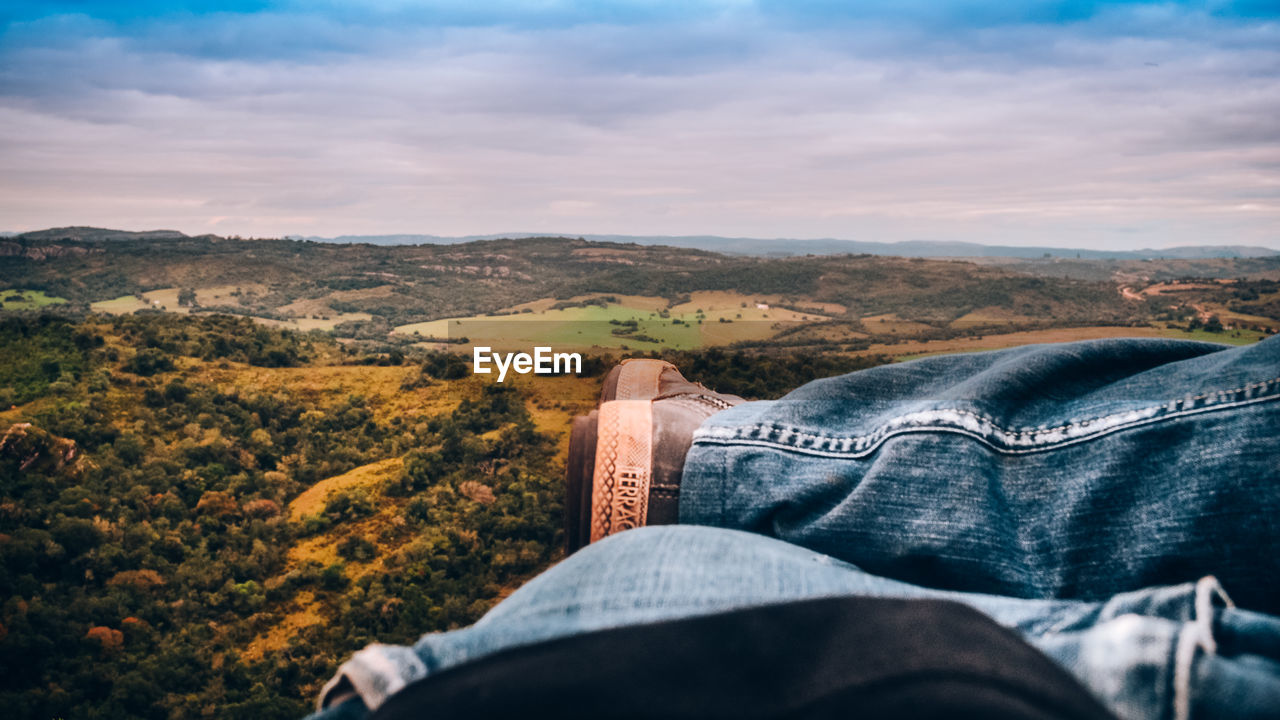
x: 783, y: 436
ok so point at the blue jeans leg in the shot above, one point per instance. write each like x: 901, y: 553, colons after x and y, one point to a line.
x: 1166, y: 652
x: 1079, y: 470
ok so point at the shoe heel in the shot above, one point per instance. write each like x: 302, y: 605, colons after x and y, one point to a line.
x: 635, y: 379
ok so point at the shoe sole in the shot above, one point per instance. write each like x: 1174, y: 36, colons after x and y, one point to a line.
x: 623, y: 469
x: 580, y: 468
x: 593, y: 469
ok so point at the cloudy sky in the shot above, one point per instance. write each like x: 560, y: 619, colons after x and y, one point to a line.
x: 1088, y: 124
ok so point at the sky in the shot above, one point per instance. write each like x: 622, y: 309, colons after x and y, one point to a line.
x: 1109, y: 125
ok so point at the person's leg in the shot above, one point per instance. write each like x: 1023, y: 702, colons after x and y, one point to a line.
x: 1147, y: 654
x: 1078, y: 470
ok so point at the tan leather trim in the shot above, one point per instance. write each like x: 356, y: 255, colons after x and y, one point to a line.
x: 624, y: 467
x: 638, y: 379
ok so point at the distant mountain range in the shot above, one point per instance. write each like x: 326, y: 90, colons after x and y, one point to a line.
x: 728, y: 245
x: 95, y: 234
x: 833, y: 246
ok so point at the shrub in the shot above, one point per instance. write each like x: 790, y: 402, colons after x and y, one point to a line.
x: 347, y: 505
x: 357, y: 549
x: 149, y: 361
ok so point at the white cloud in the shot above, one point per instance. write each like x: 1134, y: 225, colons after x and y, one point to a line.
x: 1078, y: 135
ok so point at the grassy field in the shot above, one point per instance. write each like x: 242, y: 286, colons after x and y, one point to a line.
x: 1232, y: 317
x: 224, y: 294
x: 891, y: 324
x: 1229, y: 337
x: 325, y: 323
x: 571, y: 328
x: 917, y: 348
x: 312, y: 315
x: 26, y: 300
x: 708, y: 318
x: 165, y: 299
x: 638, y: 302
x: 989, y: 316
x: 123, y: 305
x: 729, y: 303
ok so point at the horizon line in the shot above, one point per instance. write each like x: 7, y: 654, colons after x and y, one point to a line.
x: 522, y: 234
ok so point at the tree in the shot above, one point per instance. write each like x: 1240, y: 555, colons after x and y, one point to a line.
x: 149, y: 361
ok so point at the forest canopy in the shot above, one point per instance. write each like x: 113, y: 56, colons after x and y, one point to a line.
x: 201, y: 517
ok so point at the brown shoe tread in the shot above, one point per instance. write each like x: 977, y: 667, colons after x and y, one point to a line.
x: 624, y: 467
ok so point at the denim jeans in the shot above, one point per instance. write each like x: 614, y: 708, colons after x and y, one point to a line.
x: 1053, y: 471
x: 1102, y: 498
